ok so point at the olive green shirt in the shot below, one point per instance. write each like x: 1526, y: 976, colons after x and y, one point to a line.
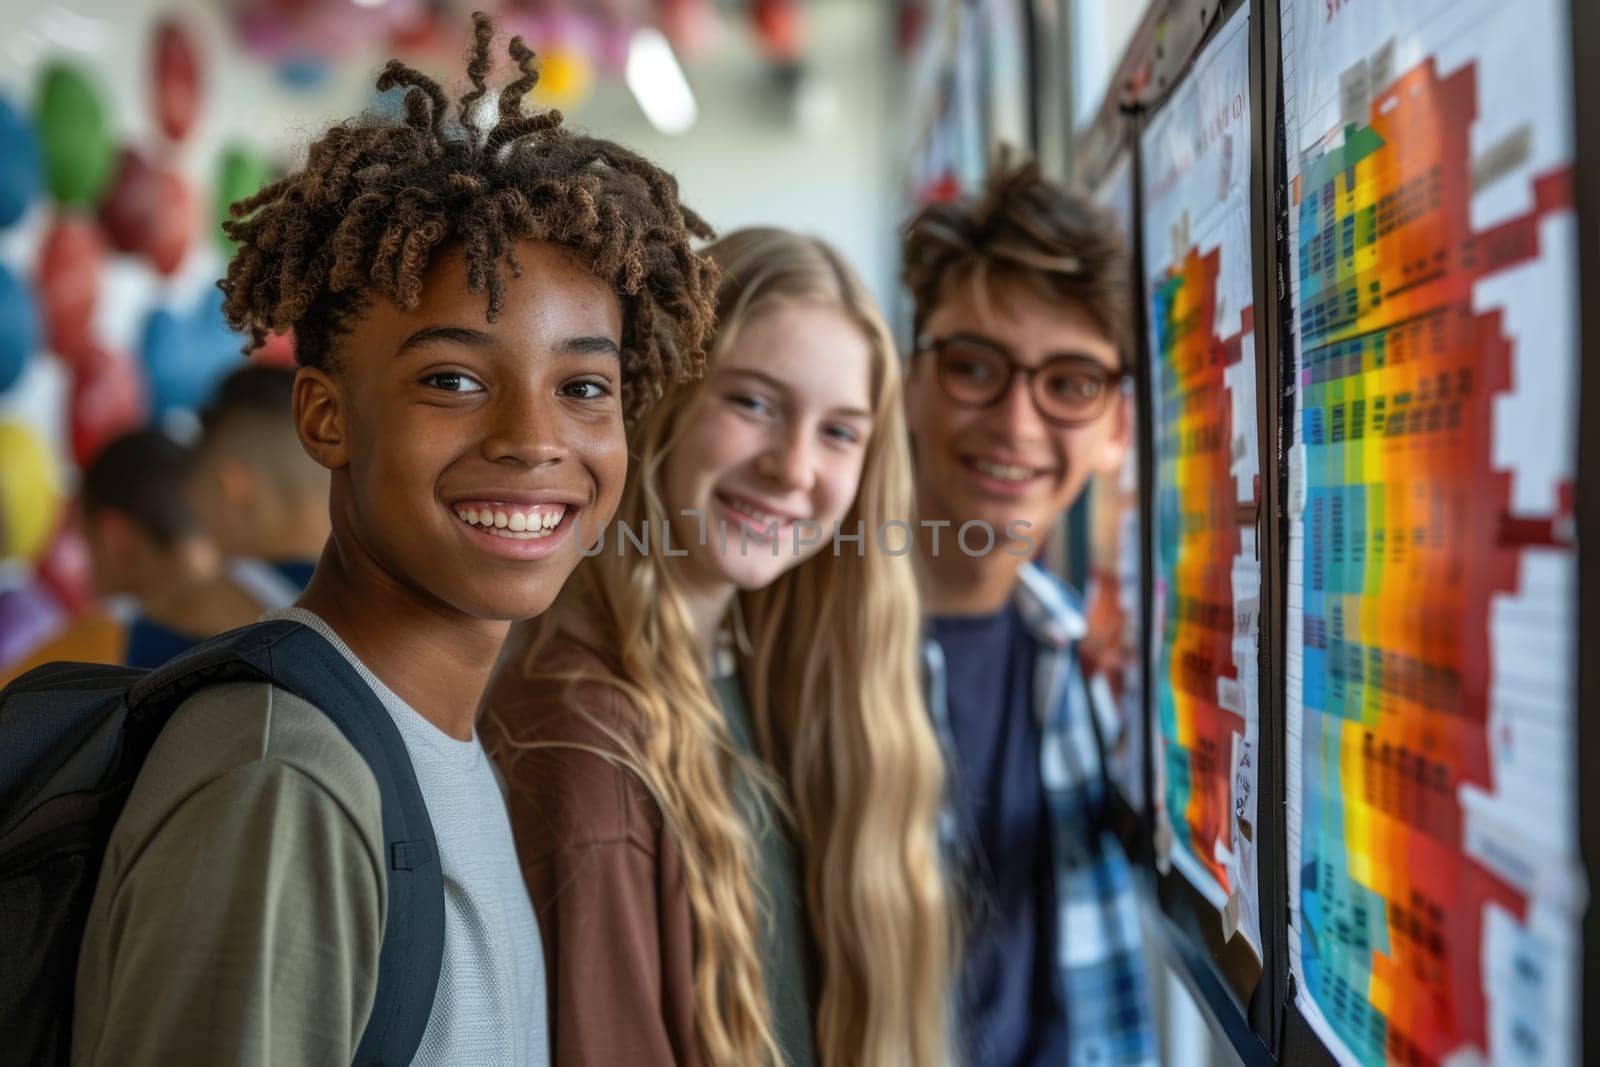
x: 206, y: 941
x: 785, y: 943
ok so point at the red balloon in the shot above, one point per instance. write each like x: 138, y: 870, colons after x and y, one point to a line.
x: 277, y: 350
x: 427, y: 31
x: 108, y: 399
x: 176, y: 79
x: 941, y: 190
x: 910, y: 20
x: 173, y: 223
x: 131, y: 201
x: 778, y: 28
x: 68, y: 282
x: 691, y: 26
x: 64, y: 568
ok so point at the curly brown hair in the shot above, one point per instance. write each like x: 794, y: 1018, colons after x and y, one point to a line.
x: 1024, y: 228
x: 379, y: 197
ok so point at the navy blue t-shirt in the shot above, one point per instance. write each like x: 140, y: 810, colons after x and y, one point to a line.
x: 296, y: 571
x: 1011, y: 1009
x: 150, y: 644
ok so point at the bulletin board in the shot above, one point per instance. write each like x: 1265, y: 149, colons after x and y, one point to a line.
x: 1366, y: 292
x: 1435, y: 887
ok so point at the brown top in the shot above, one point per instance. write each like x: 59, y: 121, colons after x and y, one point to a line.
x: 605, y: 875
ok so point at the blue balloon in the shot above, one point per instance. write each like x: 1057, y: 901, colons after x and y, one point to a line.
x: 19, y: 328
x: 166, y: 363
x: 305, y: 74
x: 187, y: 357
x: 21, y: 168
x: 219, y: 346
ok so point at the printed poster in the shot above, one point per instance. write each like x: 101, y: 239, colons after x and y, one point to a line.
x: 1206, y: 572
x: 1435, y: 891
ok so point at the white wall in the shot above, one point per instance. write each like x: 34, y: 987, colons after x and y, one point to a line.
x: 747, y: 161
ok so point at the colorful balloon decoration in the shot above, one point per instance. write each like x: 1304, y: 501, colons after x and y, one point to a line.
x: 130, y: 203
x: 165, y: 352
x: 566, y: 77
x: 28, y: 618
x: 427, y: 31
x: 779, y: 27
x: 68, y: 280
x: 149, y: 211
x: 277, y: 350
x: 305, y: 74
x: 19, y: 328
x: 175, y: 79
x: 21, y: 169
x: 691, y: 25
x: 30, y: 492
x: 173, y: 226
x: 71, y: 121
x: 185, y: 356
x: 63, y: 568
x: 95, y: 637
x: 241, y: 173
x: 108, y: 399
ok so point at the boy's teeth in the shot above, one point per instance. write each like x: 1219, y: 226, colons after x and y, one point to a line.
x: 517, y: 525
x: 1003, y: 471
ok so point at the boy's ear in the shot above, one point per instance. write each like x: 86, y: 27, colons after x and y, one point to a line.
x: 320, y: 417
x: 1115, y: 445
x: 236, y: 483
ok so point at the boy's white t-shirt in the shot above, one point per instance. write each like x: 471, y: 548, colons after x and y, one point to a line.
x: 490, y: 1004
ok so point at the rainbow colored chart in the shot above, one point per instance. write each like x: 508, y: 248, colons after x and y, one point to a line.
x: 1422, y: 702
x: 1205, y: 569
x: 1200, y: 699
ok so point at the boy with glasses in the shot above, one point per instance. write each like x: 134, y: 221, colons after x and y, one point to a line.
x: 1015, y: 398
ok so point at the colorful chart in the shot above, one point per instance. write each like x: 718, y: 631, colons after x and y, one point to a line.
x: 1195, y: 157
x: 1111, y: 651
x: 1432, y: 828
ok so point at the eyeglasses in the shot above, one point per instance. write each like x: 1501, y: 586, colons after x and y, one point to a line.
x: 1066, y: 390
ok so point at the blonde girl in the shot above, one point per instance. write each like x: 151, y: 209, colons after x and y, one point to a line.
x: 723, y: 782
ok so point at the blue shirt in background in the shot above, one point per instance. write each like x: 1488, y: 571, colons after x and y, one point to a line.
x: 275, y: 585
x: 1011, y: 1010
x: 151, y: 644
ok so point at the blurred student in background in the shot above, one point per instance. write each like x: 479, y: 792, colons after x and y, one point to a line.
x: 1014, y: 401
x: 261, y: 498
x: 146, y: 544
x: 723, y: 784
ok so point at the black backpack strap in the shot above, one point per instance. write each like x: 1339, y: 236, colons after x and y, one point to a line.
x: 297, y: 659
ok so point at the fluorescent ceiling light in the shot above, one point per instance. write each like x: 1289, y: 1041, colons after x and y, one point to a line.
x: 657, y: 82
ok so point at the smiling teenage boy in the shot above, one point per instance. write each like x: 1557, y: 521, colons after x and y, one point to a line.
x: 476, y: 314
x: 1014, y: 401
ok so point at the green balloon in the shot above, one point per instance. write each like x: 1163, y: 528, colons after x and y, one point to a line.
x: 241, y: 173
x: 78, y: 151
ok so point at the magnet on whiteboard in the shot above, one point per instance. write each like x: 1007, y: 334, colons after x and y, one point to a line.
x: 1230, y: 915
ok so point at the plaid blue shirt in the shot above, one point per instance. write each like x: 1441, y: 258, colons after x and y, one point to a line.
x: 1098, y: 949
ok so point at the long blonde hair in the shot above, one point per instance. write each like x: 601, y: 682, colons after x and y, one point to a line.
x: 831, y: 668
